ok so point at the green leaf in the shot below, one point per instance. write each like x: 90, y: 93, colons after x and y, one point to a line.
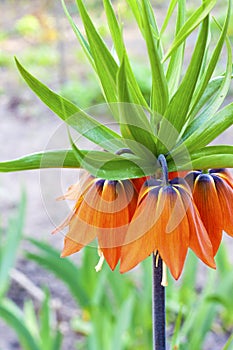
x: 116, y: 32
x: 210, y: 91
x: 114, y: 167
x: 177, y: 110
x: 175, y: 64
x: 207, y: 116
x: 136, y: 9
x: 48, y: 159
x: 212, y: 64
x: 12, y: 315
x: 84, y: 44
x: 64, y: 269
x: 45, y: 323
x: 206, y: 158
x: 119, y: 45
x: 123, y: 323
x: 72, y: 115
x: 169, y: 13
x: 133, y: 120
x: 216, y: 100
x: 159, y: 98
x: 10, y: 248
x: 106, y: 66
x: 193, y: 21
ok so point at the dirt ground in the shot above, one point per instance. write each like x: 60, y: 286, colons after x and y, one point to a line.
x: 27, y: 126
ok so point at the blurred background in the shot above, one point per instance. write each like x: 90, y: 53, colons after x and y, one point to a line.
x: 62, y: 303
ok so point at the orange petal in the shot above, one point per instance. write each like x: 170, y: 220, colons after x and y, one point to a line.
x: 206, y: 199
x: 70, y: 247
x: 77, y: 190
x: 225, y: 196
x: 140, y: 239
x: 172, y: 231
x: 113, y: 225
x: 112, y: 256
x: 82, y: 228
x: 199, y: 240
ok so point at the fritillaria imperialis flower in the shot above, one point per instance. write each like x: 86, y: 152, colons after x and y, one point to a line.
x: 103, y: 210
x: 213, y: 195
x: 166, y: 220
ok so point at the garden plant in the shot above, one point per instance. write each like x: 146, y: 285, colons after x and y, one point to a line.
x: 151, y: 185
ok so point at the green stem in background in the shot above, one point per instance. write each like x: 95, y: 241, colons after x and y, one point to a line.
x: 158, y: 305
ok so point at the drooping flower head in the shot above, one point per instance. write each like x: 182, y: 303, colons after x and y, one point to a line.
x: 166, y: 220
x: 103, y: 210
x: 213, y: 195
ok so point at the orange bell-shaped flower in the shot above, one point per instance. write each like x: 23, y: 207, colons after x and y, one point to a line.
x: 103, y: 210
x: 166, y: 220
x: 213, y: 195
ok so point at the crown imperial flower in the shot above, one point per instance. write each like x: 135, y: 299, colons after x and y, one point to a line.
x: 103, y: 209
x: 213, y: 195
x: 166, y: 220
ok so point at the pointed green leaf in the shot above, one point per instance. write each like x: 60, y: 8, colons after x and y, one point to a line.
x: 12, y: 315
x: 212, y: 64
x: 134, y: 123
x: 136, y: 9
x: 176, y: 61
x: 80, y: 37
x: 159, y: 98
x: 106, y: 66
x: 220, y: 156
x: 119, y: 45
x: 194, y: 20
x: 206, y: 132
x: 177, y: 110
x: 123, y: 323
x: 114, y: 167
x: 49, y: 159
x: 215, y: 101
x: 116, y: 32
x: 64, y: 269
x: 72, y: 115
x: 169, y: 13
x: 210, y: 91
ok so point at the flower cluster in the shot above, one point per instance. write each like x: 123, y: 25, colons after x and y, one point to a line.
x: 134, y: 218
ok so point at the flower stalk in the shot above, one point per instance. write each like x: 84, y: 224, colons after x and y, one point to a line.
x: 158, y: 305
